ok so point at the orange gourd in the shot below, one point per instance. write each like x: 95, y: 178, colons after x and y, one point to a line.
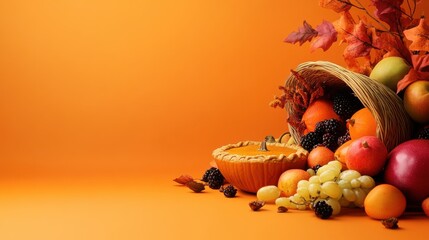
x: 362, y: 123
x: 319, y: 110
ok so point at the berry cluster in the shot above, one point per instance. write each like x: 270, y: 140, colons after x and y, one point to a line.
x: 327, y: 133
x: 322, y: 209
x: 214, y: 178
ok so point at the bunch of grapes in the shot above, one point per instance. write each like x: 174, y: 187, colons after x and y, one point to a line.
x: 337, y: 188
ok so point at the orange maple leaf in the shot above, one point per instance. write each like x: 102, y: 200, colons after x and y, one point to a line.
x: 419, y: 36
x: 344, y: 25
x: 336, y: 5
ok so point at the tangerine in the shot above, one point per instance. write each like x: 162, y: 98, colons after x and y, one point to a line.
x: 319, y: 155
x: 362, y: 123
x: 317, y: 111
x: 385, y: 201
x: 340, y: 153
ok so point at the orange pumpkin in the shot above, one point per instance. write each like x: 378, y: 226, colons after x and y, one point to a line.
x: 362, y: 123
x: 319, y: 110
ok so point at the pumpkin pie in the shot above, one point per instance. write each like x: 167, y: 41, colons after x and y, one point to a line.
x: 250, y: 165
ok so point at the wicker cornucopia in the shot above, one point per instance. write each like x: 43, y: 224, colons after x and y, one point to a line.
x: 393, y: 123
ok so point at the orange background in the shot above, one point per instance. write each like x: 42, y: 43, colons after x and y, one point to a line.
x: 102, y: 103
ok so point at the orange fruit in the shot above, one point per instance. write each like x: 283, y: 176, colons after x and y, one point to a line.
x: 288, y: 181
x: 317, y: 111
x: 362, y: 123
x: 385, y: 201
x: 320, y: 155
x: 425, y: 206
x: 340, y: 153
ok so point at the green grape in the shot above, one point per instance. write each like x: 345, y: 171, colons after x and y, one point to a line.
x: 355, y: 183
x: 328, y: 175
x: 314, y: 189
x: 360, y: 197
x: 323, y: 169
x: 336, y: 206
x: 303, y: 184
x: 336, y: 164
x: 311, y: 172
x: 344, y: 202
x: 344, y: 184
x: 304, y: 193
x: 348, y: 175
x: 323, y: 195
x: 366, y: 181
x: 349, y: 195
x: 331, y: 189
x: 285, y: 202
x: 314, y: 179
x: 301, y: 207
x: 268, y: 193
x: 298, y: 199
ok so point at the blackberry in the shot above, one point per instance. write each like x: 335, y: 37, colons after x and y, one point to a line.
x: 342, y: 139
x: 332, y: 126
x: 311, y: 139
x: 423, y: 134
x: 322, y: 210
x: 215, y: 179
x: 345, y: 104
x: 329, y: 140
x: 229, y: 191
x: 205, y: 177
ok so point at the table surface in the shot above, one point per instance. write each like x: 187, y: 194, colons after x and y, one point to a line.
x: 155, y: 207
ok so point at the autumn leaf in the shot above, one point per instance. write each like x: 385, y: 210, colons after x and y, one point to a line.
x: 419, y: 71
x: 304, y: 34
x: 344, y: 25
x: 326, y: 35
x: 336, y: 5
x: 389, y: 11
x: 183, y: 179
x: 359, y: 42
x: 419, y: 36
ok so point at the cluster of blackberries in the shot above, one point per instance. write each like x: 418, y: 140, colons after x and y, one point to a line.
x: 330, y: 133
x: 345, y: 104
x: 423, y: 133
x: 214, y: 178
x: 322, y: 210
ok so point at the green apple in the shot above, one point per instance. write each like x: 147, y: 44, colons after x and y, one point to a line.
x: 389, y: 71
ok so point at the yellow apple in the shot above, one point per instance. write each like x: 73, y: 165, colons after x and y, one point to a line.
x: 289, y: 179
x: 416, y: 101
x: 389, y: 71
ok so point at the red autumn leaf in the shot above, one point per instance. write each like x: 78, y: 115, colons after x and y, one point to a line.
x: 389, y: 11
x: 304, y: 34
x: 336, y: 5
x: 326, y: 35
x: 419, y: 36
x: 183, y: 179
x: 344, y: 25
x: 359, y: 42
x: 419, y: 71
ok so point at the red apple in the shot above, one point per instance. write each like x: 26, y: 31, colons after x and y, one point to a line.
x: 416, y: 101
x: 367, y: 155
x: 407, y: 168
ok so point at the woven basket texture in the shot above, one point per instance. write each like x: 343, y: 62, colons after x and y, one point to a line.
x: 394, y: 126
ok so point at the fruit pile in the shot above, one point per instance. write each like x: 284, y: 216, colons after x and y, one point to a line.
x: 349, y: 163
